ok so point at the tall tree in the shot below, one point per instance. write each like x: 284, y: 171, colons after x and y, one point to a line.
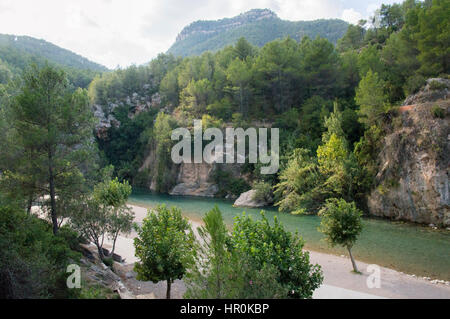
x: 371, y: 98
x: 56, y: 126
x: 434, y: 38
x: 239, y: 75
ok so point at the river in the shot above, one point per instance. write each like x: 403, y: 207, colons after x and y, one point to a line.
x: 409, y: 248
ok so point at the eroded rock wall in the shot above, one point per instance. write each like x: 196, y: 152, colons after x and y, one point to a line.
x: 413, y: 180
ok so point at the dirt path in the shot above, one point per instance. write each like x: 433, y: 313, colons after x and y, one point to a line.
x: 339, y: 281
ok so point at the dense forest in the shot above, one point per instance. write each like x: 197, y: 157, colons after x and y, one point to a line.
x: 257, y: 26
x: 332, y: 103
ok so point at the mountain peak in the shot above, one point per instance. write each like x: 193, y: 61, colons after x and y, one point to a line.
x: 214, y: 26
x: 258, y: 26
x: 258, y: 14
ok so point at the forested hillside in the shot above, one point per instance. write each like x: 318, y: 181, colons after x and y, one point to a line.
x: 363, y: 129
x: 257, y: 26
x: 18, y: 52
x: 332, y: 103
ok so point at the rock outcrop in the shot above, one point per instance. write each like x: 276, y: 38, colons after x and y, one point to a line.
x: 200, y: 27
x: 435, y: 89
x: 413, y: 180
x: 247, y: 199
x: 136, y: 103
x: 195, y: 180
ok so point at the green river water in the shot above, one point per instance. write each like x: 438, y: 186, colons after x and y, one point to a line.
x: 409, y: 248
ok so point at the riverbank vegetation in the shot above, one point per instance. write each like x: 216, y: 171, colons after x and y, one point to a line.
x: 257, y: 260
x: 332, y: 104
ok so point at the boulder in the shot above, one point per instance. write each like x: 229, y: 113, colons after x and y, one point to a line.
x: 247, y: 200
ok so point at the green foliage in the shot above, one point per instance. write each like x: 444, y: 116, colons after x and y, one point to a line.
x: 256, y: 32
x: 298, y: 186
x: 433, y: 37
x: 352, y: 39
x: 162, y: 136
x: 34, y: 261
x: 163, y: 246
x: 213, y: 275
x: 267, y: 244
x: 112, y: 192
x: 437, y: 86
x: 438, y: 112
x: 263, y: 192
x: 225, y: 273
x: 331, y: 154
x: 371, y: 98
x: 126, y: 146
x: 341, y: 222
x: 306, y: 182
x: 229, y: 184
x: 50, y: 153
x: 414, y: 84
x: 105, y: 213
x: 17, y: 52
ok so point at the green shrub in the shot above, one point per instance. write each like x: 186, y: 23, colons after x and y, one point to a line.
x: 108, y: 261
x: 33, y: 261
x: 438, y: 112
x: 437, y: 86
x: 229, y: 184
x: 263, y: 192
x: 414, y: 84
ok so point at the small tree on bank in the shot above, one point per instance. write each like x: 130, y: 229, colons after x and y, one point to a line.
x: 164, y: 246
x: 113, y: 195
x: 104, y: 214
x: 221, y: 271
x: 342, y: 224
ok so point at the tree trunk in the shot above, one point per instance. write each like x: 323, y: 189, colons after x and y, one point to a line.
x: 114, y: 244
x: 100, y: 252
x: 353, y: 260
x: 29, y: 205
x: 242, y: 100
x: 169, y: 284
x: 52, y: 193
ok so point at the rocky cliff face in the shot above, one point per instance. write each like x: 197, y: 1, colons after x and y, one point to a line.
x: 208, y: 27
x: 136, y: 103
x: 195, y: 180
x: 413, y: 180
x: 189, y: 179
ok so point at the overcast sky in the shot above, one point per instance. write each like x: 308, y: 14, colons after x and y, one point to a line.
x: 123, y: 32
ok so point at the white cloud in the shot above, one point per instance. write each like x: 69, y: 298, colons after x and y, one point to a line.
x: 123, y: 32
x: 352, y: 16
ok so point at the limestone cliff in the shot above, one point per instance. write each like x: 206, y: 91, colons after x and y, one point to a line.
x: 413, y: 181
x: 189, y: 179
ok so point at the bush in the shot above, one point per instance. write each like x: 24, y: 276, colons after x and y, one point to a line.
x: 33, y: 261
x: 108, y: 261
x: 438, y: 112
x: 437, y: 86
x: 414, y: 84
x: 263, y: 192
x: 256, y: 261
x: 229, y: 184
x: 267, y: 244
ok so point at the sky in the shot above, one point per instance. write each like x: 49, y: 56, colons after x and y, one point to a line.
x: 125, y: 32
